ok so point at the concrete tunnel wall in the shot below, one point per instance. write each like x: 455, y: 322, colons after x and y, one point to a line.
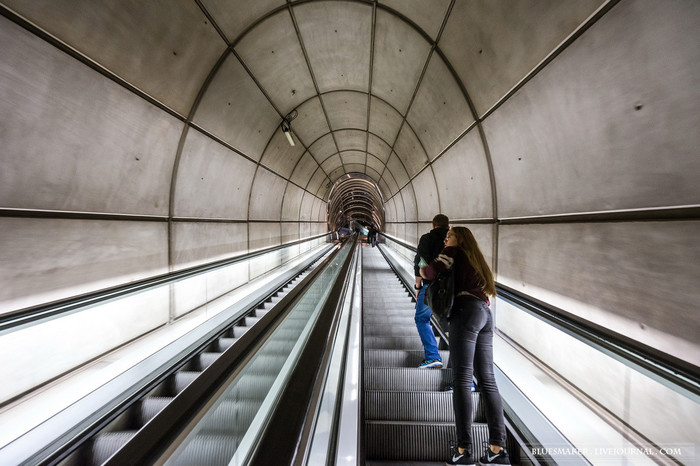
x: 143, y: 137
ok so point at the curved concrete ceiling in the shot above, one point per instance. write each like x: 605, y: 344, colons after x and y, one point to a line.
x: 381, y: 88
x: 561, y: 132
x: 399, y: 90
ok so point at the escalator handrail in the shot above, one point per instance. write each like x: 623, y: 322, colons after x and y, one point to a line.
x: 150, y: 441
x: 21, y: 317
x: 348, y: 435
x: 290, y: 425
x: 337, y: 340
x: 680, y: 374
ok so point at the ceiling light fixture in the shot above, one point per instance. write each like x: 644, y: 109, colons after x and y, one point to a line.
x: 286, y: 126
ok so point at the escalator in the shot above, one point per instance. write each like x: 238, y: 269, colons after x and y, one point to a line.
x: 408, y: 416
x: 218, y: 436
x: 212, y: 419
x: 99, y: 448
x: 216, y: 407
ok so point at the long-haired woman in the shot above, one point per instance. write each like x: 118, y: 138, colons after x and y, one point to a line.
x: 471, y: 344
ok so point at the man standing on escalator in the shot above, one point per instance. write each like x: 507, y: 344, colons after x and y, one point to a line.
x: 429, y: 247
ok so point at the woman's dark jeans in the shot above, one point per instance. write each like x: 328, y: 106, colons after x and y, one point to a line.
x: 471, y: 353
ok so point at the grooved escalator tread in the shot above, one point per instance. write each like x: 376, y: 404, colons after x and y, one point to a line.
x: 416, y: 406
x: 106, y: 444
x: 399, y: 330
x: 404, y: 463
x: 413, y: 441
x: 393, y: 342
x: 393, y: 313
x: 208, y: 450
x: 398, y: 358
x: 150, y: 406
x: 404, y: 379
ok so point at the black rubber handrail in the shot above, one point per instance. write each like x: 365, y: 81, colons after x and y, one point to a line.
x: 28, y: 315
x: 289, y: 428
x: 675, y: 371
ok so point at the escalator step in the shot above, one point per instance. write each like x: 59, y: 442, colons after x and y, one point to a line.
x: 265, y: 307
x: 405, y: 379
x: 402, y: 330
x: 269, y: 362
x: 251, y: 320
x: 205, y: 450
x: 231, y: 418
x: 150, y: 406
x: 280, y: 346
x: 409, y: 420
x: 408, y: 406
x: 225, y: 343
x: 206, y: 359
x: 238, y: 331
x: 399, y: 294
x: 396, y: 313
x: 250, y: 387
x: 183, y: 379
x: 399, y: 317
x: 380, y: 303
x: 414, y: 441
x: 404, y: 463
x: 398, y: 358
x: 416, y: 406
x: 390, y: 342
x: 106, y: 444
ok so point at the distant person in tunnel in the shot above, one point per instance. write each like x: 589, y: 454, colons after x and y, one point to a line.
x: 471, y: 344
x: 429, y: 246
x: 372, y: 236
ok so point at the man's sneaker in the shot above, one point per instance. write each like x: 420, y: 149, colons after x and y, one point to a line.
x: 494, y: 458
x: 431, y: 363
x: 460, y: 458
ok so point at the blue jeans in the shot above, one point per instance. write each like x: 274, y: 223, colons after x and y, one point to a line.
x: 422, y: 319
x: 471, y: 352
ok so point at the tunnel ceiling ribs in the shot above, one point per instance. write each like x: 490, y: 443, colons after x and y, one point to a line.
x: 355, y: 197
x: 385, y: 88
x: 366, y: 78
x: 352, y: 116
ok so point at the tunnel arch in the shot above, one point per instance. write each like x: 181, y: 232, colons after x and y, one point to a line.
x: 323, y: 94
x: 355, y: 196
x: 561, y: 133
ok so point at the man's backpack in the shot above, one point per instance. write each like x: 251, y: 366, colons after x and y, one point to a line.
x: 441, y: 293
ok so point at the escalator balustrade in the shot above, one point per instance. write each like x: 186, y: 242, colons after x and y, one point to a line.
x: 218, y: 440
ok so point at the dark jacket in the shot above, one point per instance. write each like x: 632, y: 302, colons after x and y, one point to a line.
x: 466, y: 278
x: 429, y: 247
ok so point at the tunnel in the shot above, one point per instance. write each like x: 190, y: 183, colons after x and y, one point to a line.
x: 144, y: 140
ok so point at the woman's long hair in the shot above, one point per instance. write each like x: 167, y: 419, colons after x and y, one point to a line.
x: 467, y: 243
